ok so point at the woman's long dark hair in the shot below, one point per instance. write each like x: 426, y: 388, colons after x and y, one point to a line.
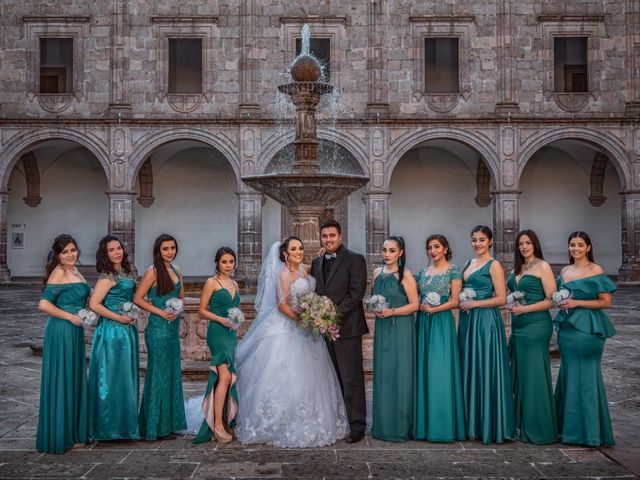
x: 587, y: 240
x: 103, y: 264
x: 443, y: 241
x: 402, y: 261
x: 164, y: 284
x: 224, y: 251
x: 285, y: 245
x: 518, y: 259
x: 53, y: 261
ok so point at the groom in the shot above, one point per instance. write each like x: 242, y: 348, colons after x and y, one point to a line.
x: 341, y: 275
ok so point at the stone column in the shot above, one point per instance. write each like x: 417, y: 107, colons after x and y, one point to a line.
x: 249, y: 238
x: 119, y: 102
x: 5, y: 273
x: 377, y: 208
x: 506, y: 223
x: 122, y: 221
x: 630, y: 269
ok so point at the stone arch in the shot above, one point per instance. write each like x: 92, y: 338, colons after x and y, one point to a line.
x: 23, y: 143
x: 474, y: 141
x: 612, y: 147
x: 344, y: 139
x: 157, y: 139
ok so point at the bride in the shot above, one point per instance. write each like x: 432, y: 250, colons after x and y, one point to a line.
x: 289, y: 395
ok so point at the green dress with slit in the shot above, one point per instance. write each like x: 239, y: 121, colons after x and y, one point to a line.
x: 530, y: 370
x: 222, y: 343
x: 62, y: 417
x: 581, y: 399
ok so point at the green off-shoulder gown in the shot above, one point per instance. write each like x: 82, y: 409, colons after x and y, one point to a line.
x: 162, y: 406
x: 581, y: 399
x: 394, y: 366
x: 113, y: 371
x: 530, y: 370
x: 222, y: 342
x: 439, y: 405
x: 62, y: 419
x: 485, y: 366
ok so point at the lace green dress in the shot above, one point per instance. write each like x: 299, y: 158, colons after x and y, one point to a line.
x: 530, y: 370
x: 439, y: 403
x: 581, y: 399
x: 484, y: 363
x: 62, y: 419
x: 113, y: 371
x: 222, y: 342
x: 394, y: 365
x: 162, y: 406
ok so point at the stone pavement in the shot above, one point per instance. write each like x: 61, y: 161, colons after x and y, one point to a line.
x: 19, y: 383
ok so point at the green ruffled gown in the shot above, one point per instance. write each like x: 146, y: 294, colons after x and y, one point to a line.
x: 222, y: 342
x: 162, y: 406
x: 62, y: 419
x: 581, y: 399
x: 439, y: 403
x: 114, y: 370
x: 485, y: 365
x: 530, y: 370
x: 394, y: 366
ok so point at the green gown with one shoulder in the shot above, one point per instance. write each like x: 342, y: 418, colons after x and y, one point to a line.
x: 581, y: 399
x: 162, y: 406
x: 62, y: 418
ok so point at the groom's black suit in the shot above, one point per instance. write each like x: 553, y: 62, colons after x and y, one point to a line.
x: 344, y: 281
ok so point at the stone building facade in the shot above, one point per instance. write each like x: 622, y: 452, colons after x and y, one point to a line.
x: 509, y: 127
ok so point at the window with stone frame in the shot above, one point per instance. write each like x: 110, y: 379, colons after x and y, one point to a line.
x: 570, y: 69
x: 185, y: 65
x: 320, y: 48
x: 56, y: 65
x: 441, y: 65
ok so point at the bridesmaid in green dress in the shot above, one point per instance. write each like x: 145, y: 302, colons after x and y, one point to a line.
x: 113, y: 370
x: 162, y: 406
x: 62, y: 419
x: 220, y: 403
x: 483, y: 349
x: 394, y: 346
x: 439, y: 404
x: 583, y: 327
x: 531, y: 331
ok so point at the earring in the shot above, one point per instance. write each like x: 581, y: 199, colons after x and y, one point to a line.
x: 400, y: 262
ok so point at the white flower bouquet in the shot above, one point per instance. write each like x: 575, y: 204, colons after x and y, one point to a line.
x: 433, y: 299
x: 174, y: 305
x: 88, y: 317
x: 235, y: 317
x: 560, y: 296
x: 377, y: 303
x: 515, y: 298
x: 467, y: 294
x: 131, y: 310
x: 318, y: 315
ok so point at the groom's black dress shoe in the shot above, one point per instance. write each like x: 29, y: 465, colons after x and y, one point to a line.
x: 354, y: 437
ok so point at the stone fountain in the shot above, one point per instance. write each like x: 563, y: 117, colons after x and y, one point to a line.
x: 303, y: 187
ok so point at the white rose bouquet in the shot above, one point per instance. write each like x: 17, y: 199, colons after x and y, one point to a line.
x: 515, y: 298
x: 88, y: 317
x: 377, y: 303
x: 433, y: 299
x: 235, y: 317
x: 131, y: 310
x: 174, y: 305
x: 467, y: 294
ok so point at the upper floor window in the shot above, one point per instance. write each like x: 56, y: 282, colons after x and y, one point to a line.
x: 185, y: 65
x: 321, y: 49
x: 441, y: 65
x: 570, y: 64
x: 56, y: 65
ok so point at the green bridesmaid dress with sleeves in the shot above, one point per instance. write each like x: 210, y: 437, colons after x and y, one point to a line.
x: 485, y: 366
x: 439, y: 403
x: 530, y: 369
x: 62, y: 419
x: 394, y: 366
x: 581, y: 399
x: 162, y: 406
x: 222, y: 342
x: 113, y: 370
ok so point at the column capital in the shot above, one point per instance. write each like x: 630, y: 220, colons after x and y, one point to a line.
x: 121, y: 194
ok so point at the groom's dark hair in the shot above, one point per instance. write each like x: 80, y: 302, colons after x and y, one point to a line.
x: 331, y: 223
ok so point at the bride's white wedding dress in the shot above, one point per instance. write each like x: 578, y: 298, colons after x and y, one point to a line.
x: 288, y: 392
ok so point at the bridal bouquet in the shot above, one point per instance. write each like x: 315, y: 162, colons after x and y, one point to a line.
x: 88, y: 317
x: 235, y: 317
x: 560, y: 296
x: 432, y: 299
x: 131, y: 310
x: 174, y: 305
x: 467, y: 294
x: 318, y: 315
x: 515, y: 298
x: 377, y: 303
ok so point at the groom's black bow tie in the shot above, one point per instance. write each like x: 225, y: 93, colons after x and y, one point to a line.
x: 330, y: 256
